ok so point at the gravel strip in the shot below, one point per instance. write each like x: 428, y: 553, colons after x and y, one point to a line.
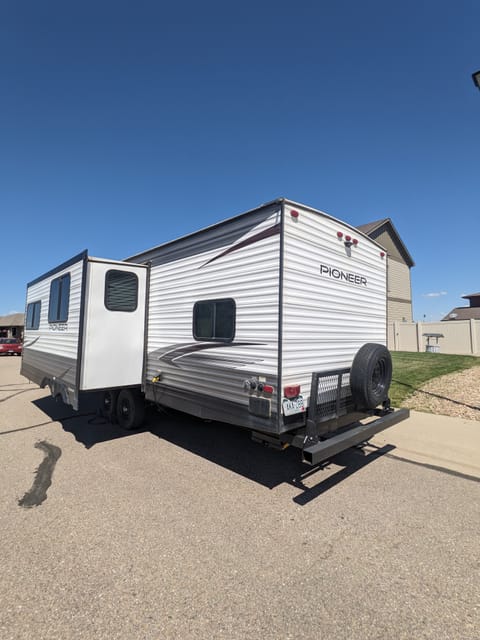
x: 456, y: 394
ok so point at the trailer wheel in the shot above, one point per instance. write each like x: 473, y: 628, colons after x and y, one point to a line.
x: 130, y: 409
x: 109, y: 405
x: 371, y: 375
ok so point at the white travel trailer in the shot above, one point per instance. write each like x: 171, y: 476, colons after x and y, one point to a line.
x: 274, y: 320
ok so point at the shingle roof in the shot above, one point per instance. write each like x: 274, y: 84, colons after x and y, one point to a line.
x: 12, y: 320
x: 463, y: 313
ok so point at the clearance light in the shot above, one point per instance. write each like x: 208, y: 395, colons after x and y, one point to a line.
x: 294, y: 214
x: 348, y: 238
x: 291, y: 391
x: 355, y: 241
x: 382, y: 254
x: 339, y: 234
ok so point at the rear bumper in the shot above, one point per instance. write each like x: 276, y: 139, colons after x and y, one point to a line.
x: 328, y: 448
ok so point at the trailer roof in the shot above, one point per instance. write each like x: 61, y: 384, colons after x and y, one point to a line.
x: 268, y: 205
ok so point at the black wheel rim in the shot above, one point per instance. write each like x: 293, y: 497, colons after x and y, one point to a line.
x: 378, y: 377
x: 125, y: 410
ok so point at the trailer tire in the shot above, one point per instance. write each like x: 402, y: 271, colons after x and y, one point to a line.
x: 371, y: 375
x: 130, y: 409
x: 109, y: 405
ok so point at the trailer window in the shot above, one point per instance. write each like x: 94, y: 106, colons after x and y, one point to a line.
x: 121, y: 290
x: 33, y: 315
x: 214, y: 320
x: 59, y: 299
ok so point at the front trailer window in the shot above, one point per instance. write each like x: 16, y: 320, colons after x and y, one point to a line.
x: 59, y: 299
x: 33, y: 315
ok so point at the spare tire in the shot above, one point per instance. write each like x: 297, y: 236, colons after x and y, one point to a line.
x: 371, y: 375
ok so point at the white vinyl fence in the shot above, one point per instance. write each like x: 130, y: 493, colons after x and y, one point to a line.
x: 461, y: 337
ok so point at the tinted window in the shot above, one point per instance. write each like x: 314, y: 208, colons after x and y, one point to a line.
x: 33, y: 315
x: 214, y: 320
x: 121, y: 291
x: 59, y: 299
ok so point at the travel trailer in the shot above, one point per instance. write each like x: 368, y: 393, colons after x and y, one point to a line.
x: 273, y: 320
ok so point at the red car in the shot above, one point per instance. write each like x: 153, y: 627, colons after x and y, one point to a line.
x: 10, y: 347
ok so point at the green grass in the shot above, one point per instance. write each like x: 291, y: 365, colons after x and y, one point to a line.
x: 412, y: 370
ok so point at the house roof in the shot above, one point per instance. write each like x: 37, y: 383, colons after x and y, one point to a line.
x: 374, y: 229
x: 462, y: 313
x: 371, y: 226
x: 12, y: 320
x: 471, y: 295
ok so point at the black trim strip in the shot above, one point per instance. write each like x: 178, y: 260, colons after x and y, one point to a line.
x: 83, y: 296
x: 146, y: 327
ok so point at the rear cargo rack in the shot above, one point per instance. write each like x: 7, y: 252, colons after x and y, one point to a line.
x: 333, y: 420
x: 330, y: 395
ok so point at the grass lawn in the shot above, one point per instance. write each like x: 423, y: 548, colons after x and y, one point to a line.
x: 412, y: 370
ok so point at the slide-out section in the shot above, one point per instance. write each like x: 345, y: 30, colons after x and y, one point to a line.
x: 84, y: 327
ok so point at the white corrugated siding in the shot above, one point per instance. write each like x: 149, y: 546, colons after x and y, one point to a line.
x: 249, y: 275
x: 59, y: 338
x: 326, y: 321
x: 52, y: 350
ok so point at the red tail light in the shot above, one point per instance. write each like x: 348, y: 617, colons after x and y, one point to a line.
x: 291, y: 391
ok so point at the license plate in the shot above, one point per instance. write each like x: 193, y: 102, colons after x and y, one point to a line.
x: 291, y: 407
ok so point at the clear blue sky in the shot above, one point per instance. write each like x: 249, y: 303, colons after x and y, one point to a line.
x: 127, y: 124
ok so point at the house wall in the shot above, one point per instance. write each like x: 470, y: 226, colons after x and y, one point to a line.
x: 399, y: 297
x: 11, y: 326
x: 11, y: 332
x: 399, y: 294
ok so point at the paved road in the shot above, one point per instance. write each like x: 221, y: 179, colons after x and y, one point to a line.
x: 190, y: 530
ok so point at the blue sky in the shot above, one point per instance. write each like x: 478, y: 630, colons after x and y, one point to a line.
x: 127, y: 124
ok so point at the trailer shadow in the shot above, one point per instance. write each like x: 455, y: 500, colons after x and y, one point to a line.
x: 86, y: 425
x: 233, y: 449
x: 224, y: 445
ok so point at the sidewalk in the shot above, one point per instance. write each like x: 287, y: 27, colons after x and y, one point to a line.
x: 452, y: 443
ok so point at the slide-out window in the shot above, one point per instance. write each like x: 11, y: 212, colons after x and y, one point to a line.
x: 214, y: 320
x: 121, y: 290
x: 33, y: 314
x: 59, y: 299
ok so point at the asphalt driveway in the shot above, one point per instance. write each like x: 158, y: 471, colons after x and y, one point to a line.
x: 190, y: 530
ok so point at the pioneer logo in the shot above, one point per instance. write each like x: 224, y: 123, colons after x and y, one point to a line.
x: 338, y: 274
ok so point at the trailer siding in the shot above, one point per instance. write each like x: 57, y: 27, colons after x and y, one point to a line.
x: 326, y: 319
x: 247, y: 271
x: 52, y: 350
